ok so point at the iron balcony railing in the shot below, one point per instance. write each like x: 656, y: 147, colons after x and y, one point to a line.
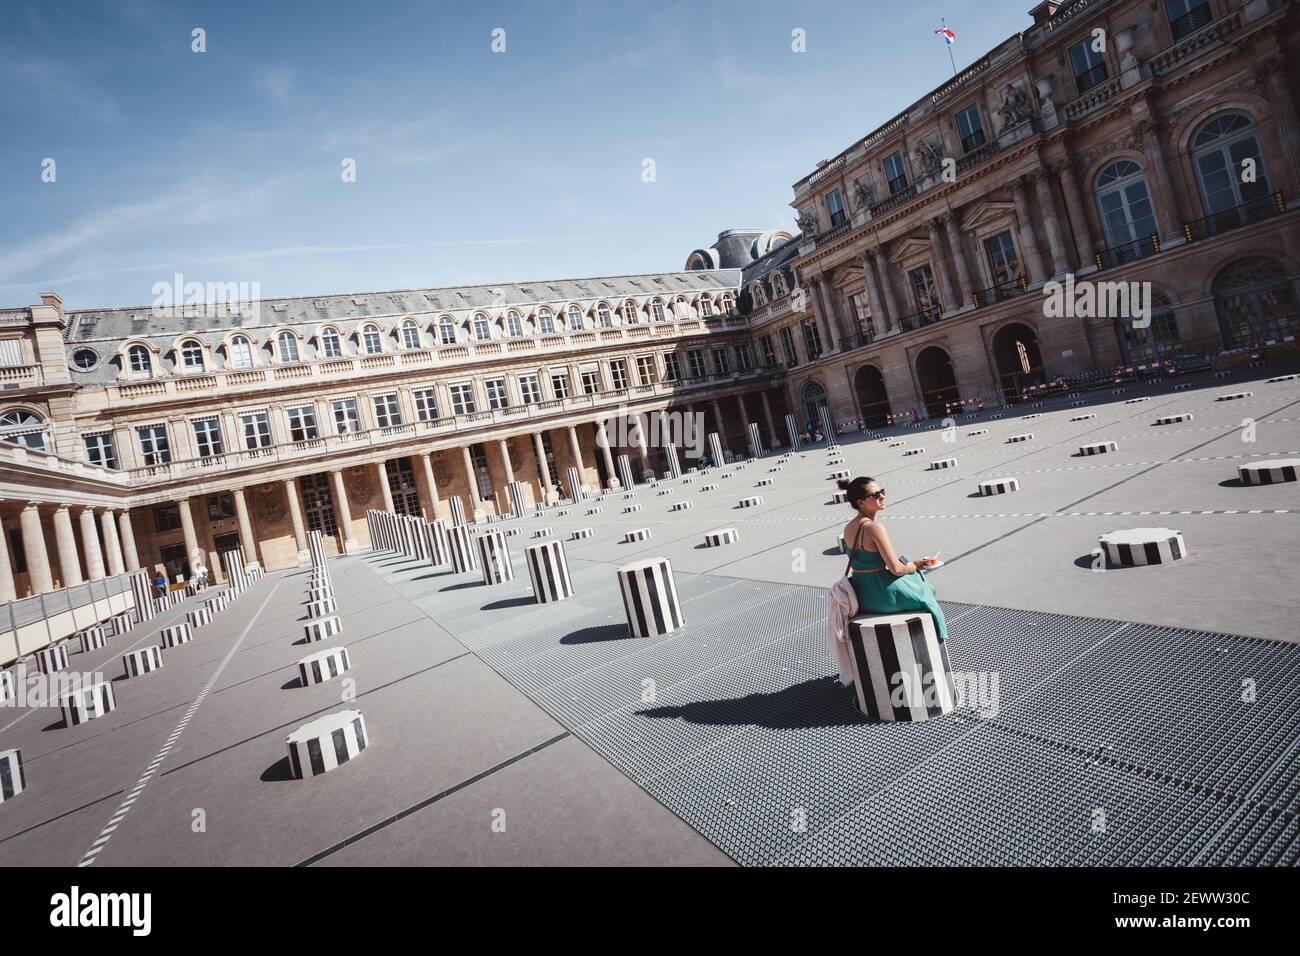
x: 1132, y: 251
x: 1191, y: 21
x: 922, y: 318
x: 897, y: 199
x: 1000, y: 293
x: 1263, y: 207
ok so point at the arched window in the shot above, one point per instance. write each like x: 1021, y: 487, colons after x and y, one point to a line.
x: 1153, y: 342
x: 657, y: 309
x: 18, y: 426
x: 240, y: 352
x: 1223, y: 149
x: 287, y: 345
x: 545, y: 323
x: 372, y: 343
x: 482, y: 328
x: 604, y: 316
x: 1125, y: 207
x: 1256, y: 303
x: 410, y: 335
x: 778, y: 285
x: 331, y: 345
x: 630, y: 312
x: 513, y: 327
x: 728, y: 303
x: 759, y: 296
x: 706, y: 306
x: 192, y: 355
x: 138, y: 361
x: 814, y: 398
x: 575, y: 318
x: 447, y: 330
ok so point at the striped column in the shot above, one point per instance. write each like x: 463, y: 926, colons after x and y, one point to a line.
x: 573, y: 484
x: 515, y: 490
x: 317, y: 549
x: 548, y: 570
x: 326, y: 743
x: 715, y: 450
x: 828, y: 427
x: 418, y: 541
x: 901, y: 668
x: 674, y: 463
x: 650, y: 597
x: 755, y: 445
x: 13, y: 779
x: 457, y: 510
x: 142, y: 592
x: 494, y: 556
x: 233, y: 562
x: 461, y: 548
x: 625, y: 473
x: 793, y: 431
x: 87, y: 703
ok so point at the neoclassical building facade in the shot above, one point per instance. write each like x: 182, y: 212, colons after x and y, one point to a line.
x: 1150, y: 141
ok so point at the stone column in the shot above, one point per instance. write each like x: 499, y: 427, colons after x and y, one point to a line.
x: 1163, y: 191
x: 887, y: 287
x: 744, y: 412
x: 7, y: 590
x: 1078, y: 216
x: 1052, y: 222
x: 471, y: 478
x: 959, y: 259
x: 343, y: 511
x: 384, y: 486
x: 826, y: 315
x: 543, y: 469
x: 127, y: 534
x: 504, y: 446
x: 577, y: 455
x: 719, y: 426
x: 295, y: 517
x: 940, y: 261
x: 767, y: 415
x: 602, y: 439
x: 66, y: 541
x: 1284, y: 117
x: 879, y: 319
x: 187, y: 528
x: 1028, y: 238
x: 431, y: 484
x: 112, y: 547
x: 245, y: 527
x: 90, y: 545
x: 38, y: 558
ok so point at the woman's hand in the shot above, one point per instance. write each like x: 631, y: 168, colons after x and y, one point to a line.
x: 924, y: 561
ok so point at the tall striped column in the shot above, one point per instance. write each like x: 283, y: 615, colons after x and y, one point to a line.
x: 548, y: 570
x: 494, y: 556
x: 573, y: 484
x: 715, y: 450
x: 316, y: 547
x: 625, y: 473
x: 461, y: 547
x: 755, y: 446
x: 233, y: 562
x: 436, y: 534
x: 142, y: 592
x: 674, y: 463
x: 793, y: 431
x: 515, y: 490
x: 650, y: 597
x: 457, y: 510
x: 418, y: 540
x: 828, y: 427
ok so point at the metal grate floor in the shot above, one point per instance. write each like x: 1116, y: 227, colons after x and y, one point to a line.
x: 1113, y: 743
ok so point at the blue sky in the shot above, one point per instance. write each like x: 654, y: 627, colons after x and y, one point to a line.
x: 472, y: 166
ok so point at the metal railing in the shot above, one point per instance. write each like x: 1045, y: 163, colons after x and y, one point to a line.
x: 1264, y: 207
x: 1126, y: 252
x: 1000, y: 293
x: 30, y: 623
x: 922, y: 318
x: 1191, y: 21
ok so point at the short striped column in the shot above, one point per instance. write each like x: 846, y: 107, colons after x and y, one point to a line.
x: 1098, y: 448
x: 901, y: 670
x: 548, y: 571
x: 1083, y: 418
x: 435, y: 533
x: 792, y: 430
x: 714, y: 539
x: 142, y: 661
x: 628, y: 509
x: 636, y: 534
x: 751, y: 502
x: 1027, y: 436
x: 650, y: 597
x: 756, y: 449
x: 715, y: 450
x: 13, y: 780
x: 457, y: 511
x: 322, y: 628
x: 682, y: 505
x: 323, y: 665
x: 326, y: 743
x: 1174, y: 419
x: 199, y: 617
x: 515, y: 489
x: 582, y: 533
x: 121, y: 623
x: 92, y: 638
x: 1272, y: 472
x: 1232, y: 396
x: 1137, y: 547
x: 494, y: 557
x: 8, y: 688
x: 52, y: 659
x: 998, y: 486
x: 322, y: 606
x: 840, y: 473
x: 914, y: 451
x: 87, y: 703
x: 940, y: 463
x: 461, y: 548
x: 177, y: 635
x: 977, y: 431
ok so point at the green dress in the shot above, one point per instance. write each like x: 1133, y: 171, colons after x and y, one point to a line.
x: 884, y: 593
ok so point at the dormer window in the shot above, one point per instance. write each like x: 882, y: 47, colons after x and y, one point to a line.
x: 604, y: 317
x: 630, y: 312
x: 513, y: 326
x: 575, y: 319
x: 446, y: 331
x: 240, y: 352
x: 657, y: 310
x: 482, y: 328
x: 410, y: 335
x: 759, y: 296
x: 191, y: 356
x: 779, y: 289
x: 287, y: 345
x: 372, y: 342
x: 330, y: 344
x: 706, y: 306
x: 545, y: 321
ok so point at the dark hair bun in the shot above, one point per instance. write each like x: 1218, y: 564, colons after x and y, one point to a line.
x: 843, y: 485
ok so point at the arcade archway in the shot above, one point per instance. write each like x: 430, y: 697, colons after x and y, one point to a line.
x: 873, y: 399
x: 938, y: 381
x: 1018, y: 360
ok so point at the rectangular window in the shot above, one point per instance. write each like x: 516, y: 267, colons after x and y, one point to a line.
x: 924, y: 294
x: 1187, y: 16
x: 812, y: 341
x: 835, y: 206
x: 671, y: 370
x: 590, y: 381
x: 426, y: 404
x: 302, y: 423
x: 970, y: 128
x: 478, y: 458
x: 207, y: 437
x: 155, y: 449
x: 861, y: 314
x: 11, y: 352
x: 720, y: 360
x: 618, y: 374
x: 695, y: 357
x: 1088, y: 63
x: 895, y: 172
x: 769, y: 353
x: 257, y: 430
x: 347, y: 420
x: 166, y: 518
x: 100, y: 450
x: 560, y: 383
x: 787, y: 347
x: 530, y: 389
x: 462, y: 398
x: 1003, y: 265
x: 221, y: 507
x: 387, y: 412
x: 744, y: 357
x: 496, y: 393
x: 645, y: 370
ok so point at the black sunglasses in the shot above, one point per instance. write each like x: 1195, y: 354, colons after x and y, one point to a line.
x: 877, y: 494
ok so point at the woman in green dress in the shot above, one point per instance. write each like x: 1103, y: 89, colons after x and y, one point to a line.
x: 883, y: 583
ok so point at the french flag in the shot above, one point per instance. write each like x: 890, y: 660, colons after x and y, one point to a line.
x: 948, y: 36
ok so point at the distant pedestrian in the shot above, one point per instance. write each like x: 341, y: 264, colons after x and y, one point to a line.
x: 160, y: 582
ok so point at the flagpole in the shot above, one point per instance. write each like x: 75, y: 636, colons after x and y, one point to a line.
x: 949, y: 46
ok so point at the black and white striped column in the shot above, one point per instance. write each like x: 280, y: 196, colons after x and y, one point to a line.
x: 435, y: 534
x: 755, y: 444
x: 13, y: 780
x: 715, y: 450
x: 901, y: 668
x: 548, y: 570
x: 142, y: 661
x: 199, y: 617
x: 326, y: 743
x: 625, y: 473
x: 457, y: 511
x: 1098, y: 448
x: 322, y: 628
x: 323, y: 665
x: 999, y: 486
x: 120, y: 624
x: 674, y: 462
x: 1137, y: 547
x: 792, y: 430
x: 650, y: 597
x: 714, y: 539
x: 92, y: 638
x: 52, y: 659
x: 87, y: 703
x: 1272, y: 472
x: 461, y: 547
x: 573, y: 484
x: 515, y: 489
x: 233, y: 562
x: 176, y: 635
x: 828, y: 426
x: 142, y: 592
x: 494, y: 557
x: 1174, y: 419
